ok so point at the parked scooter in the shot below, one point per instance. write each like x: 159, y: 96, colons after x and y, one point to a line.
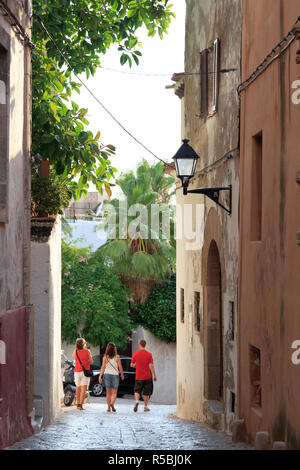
x: 69, y: 383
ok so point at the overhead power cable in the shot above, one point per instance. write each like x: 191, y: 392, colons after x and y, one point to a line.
x: 183, y: 74
x: 276, y: 52
x: 94, y: 96
x: 16, y: 25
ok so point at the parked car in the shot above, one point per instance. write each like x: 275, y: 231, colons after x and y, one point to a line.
x: 126, y: 386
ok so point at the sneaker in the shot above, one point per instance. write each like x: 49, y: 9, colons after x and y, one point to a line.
x: 136, y: 406
x: 146, y: 408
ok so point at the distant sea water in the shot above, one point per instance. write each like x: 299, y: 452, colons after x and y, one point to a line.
x: 84, y: 234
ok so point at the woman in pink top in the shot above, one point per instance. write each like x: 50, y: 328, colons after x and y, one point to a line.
x: 81, y: 381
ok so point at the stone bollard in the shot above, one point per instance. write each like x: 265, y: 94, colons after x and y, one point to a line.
x: 279, y: 445
x: 262, y: 441
x: 238, y: 430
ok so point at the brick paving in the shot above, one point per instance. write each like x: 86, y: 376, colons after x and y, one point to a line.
x: 95, y: 429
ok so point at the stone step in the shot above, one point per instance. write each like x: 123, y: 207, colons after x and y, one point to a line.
x: 214, y: 414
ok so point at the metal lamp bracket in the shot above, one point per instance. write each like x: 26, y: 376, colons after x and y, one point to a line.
x: 213, y: 194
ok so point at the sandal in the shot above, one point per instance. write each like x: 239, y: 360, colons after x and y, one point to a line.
x: 79, y: 407
x: 113, y: 408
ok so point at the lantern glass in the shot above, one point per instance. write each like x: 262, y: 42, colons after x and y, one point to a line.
x: 185, y: 167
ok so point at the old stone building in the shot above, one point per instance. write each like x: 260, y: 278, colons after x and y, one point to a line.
x: 269, y: 277
x: 207, y: 268
x: 16, y: 316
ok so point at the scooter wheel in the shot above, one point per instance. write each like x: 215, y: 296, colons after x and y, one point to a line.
x: 69, y: 398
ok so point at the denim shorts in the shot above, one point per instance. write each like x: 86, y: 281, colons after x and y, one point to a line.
x: 111, y: 381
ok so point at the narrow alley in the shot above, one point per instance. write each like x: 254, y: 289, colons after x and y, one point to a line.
x: 95, y: 429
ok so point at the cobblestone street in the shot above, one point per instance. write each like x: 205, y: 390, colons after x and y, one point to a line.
x: 95, y: 429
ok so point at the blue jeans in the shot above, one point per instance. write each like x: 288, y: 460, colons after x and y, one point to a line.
x: 111, y: 381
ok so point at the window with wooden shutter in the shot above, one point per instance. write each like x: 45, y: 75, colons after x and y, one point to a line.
x: 203, y: 84
x: 209, y: 79
x: 216, y: 75
x: 4, y: 123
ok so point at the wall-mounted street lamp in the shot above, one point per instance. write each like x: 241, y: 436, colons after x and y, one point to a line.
x: 185, y: 163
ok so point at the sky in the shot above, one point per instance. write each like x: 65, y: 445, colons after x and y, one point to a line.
x: 140, y: 103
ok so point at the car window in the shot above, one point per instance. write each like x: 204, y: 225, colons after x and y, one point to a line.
x: 125, y: 364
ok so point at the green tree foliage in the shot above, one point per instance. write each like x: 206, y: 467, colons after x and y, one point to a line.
x: 158, y: 313
x: 94, y: 301
x: 82, y: 31
x: 85, y: 29
x: 59, y: 134
x: 142, y: 253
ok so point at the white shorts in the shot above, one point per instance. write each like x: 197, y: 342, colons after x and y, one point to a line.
x: 81, y: 379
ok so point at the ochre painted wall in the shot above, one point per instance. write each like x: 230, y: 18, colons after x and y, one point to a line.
x: 269, y: 275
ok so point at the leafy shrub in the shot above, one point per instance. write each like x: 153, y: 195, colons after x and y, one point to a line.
x: 94, y: 301
x: 48, y: 196
x: 158, y: 313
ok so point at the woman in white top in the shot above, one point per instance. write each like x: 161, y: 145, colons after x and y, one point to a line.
x: 111, y: 365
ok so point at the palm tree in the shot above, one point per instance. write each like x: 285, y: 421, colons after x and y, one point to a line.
x: 143, y: 256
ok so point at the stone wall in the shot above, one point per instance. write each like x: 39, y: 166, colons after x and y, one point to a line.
x: 269, y: 275
x: 164, y: 358
x: 203, y: 375
x: 46, y: 296
x: 16, y: 316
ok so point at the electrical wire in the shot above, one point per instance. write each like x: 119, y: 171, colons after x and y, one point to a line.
x: 94, y: 96
x: 269, y: 59
x: 183, y: 74
x: 227, y: 156
x: 16, y: 25
x: 130, y: 73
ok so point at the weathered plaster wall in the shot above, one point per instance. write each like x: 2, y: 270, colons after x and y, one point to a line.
x: 212, y: 138
x: 164, y: 358
x: 15, y: 316
x: 12, y: 236
x: 46, y: 296
x: 269, y: 269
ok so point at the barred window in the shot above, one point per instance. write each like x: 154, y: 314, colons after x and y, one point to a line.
x: 231, y: 321
x: 197, y: 310
x: 182, y: 305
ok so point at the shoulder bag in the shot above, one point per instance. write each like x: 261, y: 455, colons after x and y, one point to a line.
x: 87, y: 373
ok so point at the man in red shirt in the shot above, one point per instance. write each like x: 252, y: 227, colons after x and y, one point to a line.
x: 143, y: 361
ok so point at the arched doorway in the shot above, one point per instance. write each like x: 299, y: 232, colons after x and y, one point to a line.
x: 214, y: 326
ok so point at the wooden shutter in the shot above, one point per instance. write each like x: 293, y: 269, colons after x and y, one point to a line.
x: 203, y: 84
x: 210, y: 80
